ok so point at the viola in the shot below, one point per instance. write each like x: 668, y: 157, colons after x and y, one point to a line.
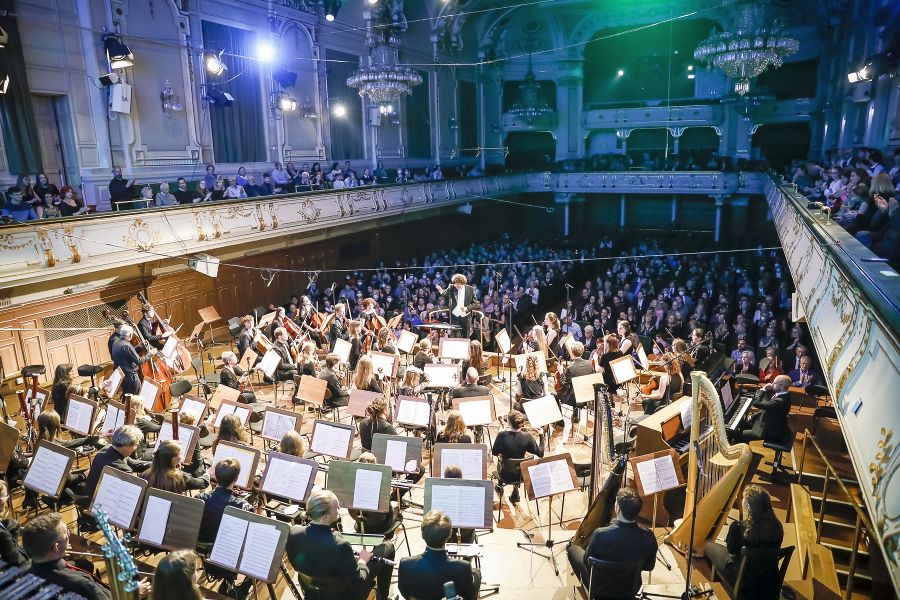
x: 651, y: 385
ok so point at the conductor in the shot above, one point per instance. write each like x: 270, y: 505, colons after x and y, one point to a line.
x: 460, y: 299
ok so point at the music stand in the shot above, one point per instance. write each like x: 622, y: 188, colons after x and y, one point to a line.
x: 170, y: 521
x: 288, y: 476
x: 657, y: 473
x: 342, y: 348
x: 361, y: 486
x: 477, y: 411
x: 413, y: 412
x: 112, y: 384
x: 149, y: 395
x: 360, y: 401
x: 49, y: 469
x: 454, y: 348
x: 191, y: 405
x: 223, y: 393
x: 247, y: 457
x: 461, y: 499
x: 119, y: 494
x: 541, y: 412
x: 227, y: 407
x: 311, y: 390
x: 331, y: 439
x: 208, y: 316
x: 583, y: 390
x: 407, y: 341
x: 544, y: 478
x: 470, y: 458
x: 80, y: 415
x: 9, y: 437
x: 188, y: 436
x: 277, y: 422
x: 623, y: 371
x: 400, y: 452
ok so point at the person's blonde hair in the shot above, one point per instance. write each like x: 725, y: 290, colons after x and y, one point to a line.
x: 364, y: 372
x: 308, y: 350
x: 411, y: 378
x: 291, y: 443
x: 48, y: 424
x: 538, y: 332
x: 377, y: 408
x: 531, y: 368
x: 231, y: 430
x: 367, y: 458
x: 459, y: 278
x: 881, y: 185
x: 455, y: 426
x: 425, y: 345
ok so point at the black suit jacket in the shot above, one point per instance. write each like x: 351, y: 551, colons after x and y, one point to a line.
x: 319, y: 552
x: 285, y: 364
x: 470, y: 391
x: 125, y: 356
x: 422, y: 577
x: 576, y: 368
x: 110, y: 457
x: 70, y: 580
x: 10, y: 551
x: 469, y: 300
x: 244, y: 341
x: 774, y: 419
x: 146, y: 328
x: 337, y: 391
x: 622, y: 542
x: 214, y: 503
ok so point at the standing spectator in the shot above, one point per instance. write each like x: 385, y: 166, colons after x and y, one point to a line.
x: 210, y: 178
x: 242, y: 177
x: 120, y: 190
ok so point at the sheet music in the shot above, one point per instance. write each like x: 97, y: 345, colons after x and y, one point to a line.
x: 226, y: 409
x: 286, y: 478
x: 552, y: 477
x: 687, y: 409
x: 259, y: 550
x: 464, y: 505
x: 623, y: 370
x: 191, y: 406
x: 115, y: 418
x: 502, y: 340
x: 366, y: 489
x: 118, y: 498
x: 454, y: 348
x: 79, y: 416
x: 407, y: 341
x: 244, y: 458
x: 342, y: 349
x: 395, y: 455
x: 156, y: 516
x: 442, y: 375
x: 168, y: 348
x: 470, y: 461
x: 275, y: 425
x: 657, y: 475
x: 148, y: 393
x: 383, y: 362
x: 41, y: 399
x: 229, y: 541
x: 542, y: 411
x: 46, y: 471
x: 413, y: 413
x: 112, y: 383
x: 185, y: 435
x: 332, y: 441
x: 270, y: 362
x: 476, y: 412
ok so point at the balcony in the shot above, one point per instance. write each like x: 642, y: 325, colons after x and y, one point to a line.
x: 654, y: 116
x: 649, y: 182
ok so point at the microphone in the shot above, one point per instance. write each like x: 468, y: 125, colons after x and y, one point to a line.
x: 450, y: 591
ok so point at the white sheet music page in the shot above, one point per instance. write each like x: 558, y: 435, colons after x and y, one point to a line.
x: 269, y: 363
x: 275, y: 425
x: 112, y: 383
x: 476, y: 412
x: 168, y: 348
x: 332, y: 441
x: 413, y: 413
x: 383, y: 365
x: 286, y: 478
x: 454, y: 348
x: 406, y: 342
x: 46, y: 471
x: 189, y: 406
x: 470, y: 461
x: 395, y: 454
x: 229, y: 541
x: 687, y: 412
x: 550, y: 478
x: 442, y: 375
x: 156, y: 516
x: 366, y: 489
x: 464, y: 505
x: 502, y: 340
x: 259, y: 550
x: 342, y: 349
x: 244, y: 458
x: 115, y: 418
x: 184, y: 437
x: 79, y: 416
x: 149, y: 389
x: 119, y: 499
x: 227, y: 409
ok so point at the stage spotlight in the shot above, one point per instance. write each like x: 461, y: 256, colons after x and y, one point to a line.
x: 286, y: 103
x: 339, y: 110
x: 371, y: 2
x: 690, y: 75
x: 217, y: 97
x: 284, y: 77
x: 331, y: 9
x: 873, y: 68
x: 690, y: 67
x: 265, y: 52
x: 213, y: 62
x: 117, y: 53
x: 620, y: 73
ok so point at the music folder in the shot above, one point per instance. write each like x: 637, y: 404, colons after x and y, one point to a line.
x: 471, y: 458
x: 623, y: 369
x: 115, y: 417
x: 227, y: 407
x: 342, y: 348
x: 249, y: 544
x: 407, y: 341
x: 331, y: 439
x: 288, y: 476
x: 549, y: 476
x: 222, y: 393
x: 360, y: 486
x: 400, y: 452
x: 170, y: 521
x: 80, y: 415
x: 656, y: 472
x: 467, y: 502
x: 49, y: 469
x: 119, y: 494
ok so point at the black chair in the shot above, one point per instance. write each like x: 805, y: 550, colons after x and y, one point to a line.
x: 33, y: 371
x: 746, y: 379
x: 779, y: 557
x: 785, y: 444
x: 613, y: 580
x: 235, y: 327
x: 508, y: 473
x: 323, y: 588
x: 180, y: 388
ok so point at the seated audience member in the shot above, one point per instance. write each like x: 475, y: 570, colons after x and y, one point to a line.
x: 621, y: 541
x: 125, y: 440
x: 69, y: 204
x: 323, y: 554
x: 146, y: 200
x: 515, y: 443
x: 176, y: 577
x: 745, y: 366
x: 770, y: 366
x: 339, y: 395
x: 15, y: 206
x: 369, y: 521
x: 46, y: 539
x: 165, y: 471
x: 218, y: 192
x: 423, y: 576
x: 10, y: 551
x: 165, y: 197
x: 771, y: 423
x: 454, y: 431
x: 883, y: 236
x: 215, y: 501
x: 50, y: 207
x: 252, y: 188
x: 375, y: 422
x: 235, y: 190
x: 183, y: 195
x: 759, y: 528
x: 204, y: 192
x: 805, y: 375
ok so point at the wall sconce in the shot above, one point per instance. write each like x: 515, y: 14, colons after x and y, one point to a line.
x: 452, y: 123
x: 170, y: 102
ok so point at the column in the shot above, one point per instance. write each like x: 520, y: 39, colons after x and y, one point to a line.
x: 676, y: 137
x: 622, y: 211
x: 720, y: 202
x: 569, y: 102
x: 623, y: 134
x: 674, y: 209
x: 566, y: 200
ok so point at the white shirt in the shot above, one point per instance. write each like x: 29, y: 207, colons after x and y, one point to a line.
x: 460, y: 309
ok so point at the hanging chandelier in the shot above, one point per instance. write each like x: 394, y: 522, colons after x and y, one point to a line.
x: 748, y: 49
x: 384, y: 81
x: 529, y: 107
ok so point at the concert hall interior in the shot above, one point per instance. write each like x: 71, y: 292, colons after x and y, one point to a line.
x: 437, y: 299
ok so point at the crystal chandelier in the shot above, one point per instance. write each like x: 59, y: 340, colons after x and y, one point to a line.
x: 383, y: 81
x: 529, y: 107
x: 749, y: 49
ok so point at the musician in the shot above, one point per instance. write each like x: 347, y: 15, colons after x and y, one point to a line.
x: 384, y: 341
x: 412, y: 379
x: 339, y: 394
x: 319, y: 552
x: 46, y: 539
x: 460, y: 299
x: 234, y: 377
x: 470, y: 388
x: 10, y: 551
x: 355, y: 339
x: 118, y: 455
x: 305, y: 320
x: 759, y: 527
x: 291, y: 443
x: 771, y: 424
x: 454, y: 431
x: 231, y: 430
x: 461, y: 535
x: 115, y: 335
x: 669, y: 387
x: 476, y: 358
x: 532, y: 382
x: 538, y: 341
x: 338, y: 324
x: 146, y: 423
x: 248, y: 333
x: 165, y: 471
x: 124, y: 357
x: 176, y: 577
x: 620, y: 541
x: 804, y: 376
x: 370, y: 521
x: 62, y: 388
x: 610, y: 353
x: 423, y: 576
x: 215, y: 501
x: 700, y: 350
x: 151, y: 328
x: 515, y: 443
x: 375, y: 422
x: 628, y: 339
x: 770, y: 366
x: 423, y: 356
x: 365, y: 378
x: 286, y: 369
x: 369, y: 315
x: 577, y: 367
x: 280, y: 316
x: 551, y: 328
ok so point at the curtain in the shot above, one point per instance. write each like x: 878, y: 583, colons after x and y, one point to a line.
x: 20, y: 137
x: 468, y: 118
x: 346, y: 131
x: 238, y: 131
x: 418, y: 120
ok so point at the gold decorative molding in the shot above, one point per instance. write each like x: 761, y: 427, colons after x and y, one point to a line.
x: 259, y: 217
x: 863, y: 346
x: 273, y: 215
x: 47, y: 247
x: 141, y: 236
x: 201, y: 231
x: 309, y: 210
x: 878, y: 467
x: 7, y: 243
x: 73, y: 246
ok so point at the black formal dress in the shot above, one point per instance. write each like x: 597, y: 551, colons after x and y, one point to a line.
x: 515, y: 444
x: 368, y: 428
x: 761, y: 578
x: 604, y: 361
x: 70, y: 579
x: 422, y: 577
x: 325, y: 556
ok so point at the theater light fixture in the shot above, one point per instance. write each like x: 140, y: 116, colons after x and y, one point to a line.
x: 4, y: 82
x: 339, y: 110
x: 265, y: 52
x: 873, y: 68
x: 117, y: 53
x: 284, y: 77
x: 217, y: 97
x: 331, y: 9
x: 213, y: 62
x: 285, y: 103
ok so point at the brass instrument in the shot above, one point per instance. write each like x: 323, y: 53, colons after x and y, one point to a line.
x: 724, y: 467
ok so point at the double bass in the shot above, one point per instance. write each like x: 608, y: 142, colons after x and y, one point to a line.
x: 181, y: 356
x: 154, y: 369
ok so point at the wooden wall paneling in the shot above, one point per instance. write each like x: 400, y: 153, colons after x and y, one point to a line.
x: 33, y: 347
x: 81, y: 351
x: 57, y: 355
x: 100, y: 348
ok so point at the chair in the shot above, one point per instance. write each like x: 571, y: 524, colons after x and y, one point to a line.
x: 180, y: 388
x: 613, y: 580
x: 322, y: 588
x: 823, y: 412
x: 235, y: 327
x: 508, y: 473
x: 779, y: 556
x: 786, y: 444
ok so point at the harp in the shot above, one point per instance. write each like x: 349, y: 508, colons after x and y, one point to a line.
x: 724, y: 468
